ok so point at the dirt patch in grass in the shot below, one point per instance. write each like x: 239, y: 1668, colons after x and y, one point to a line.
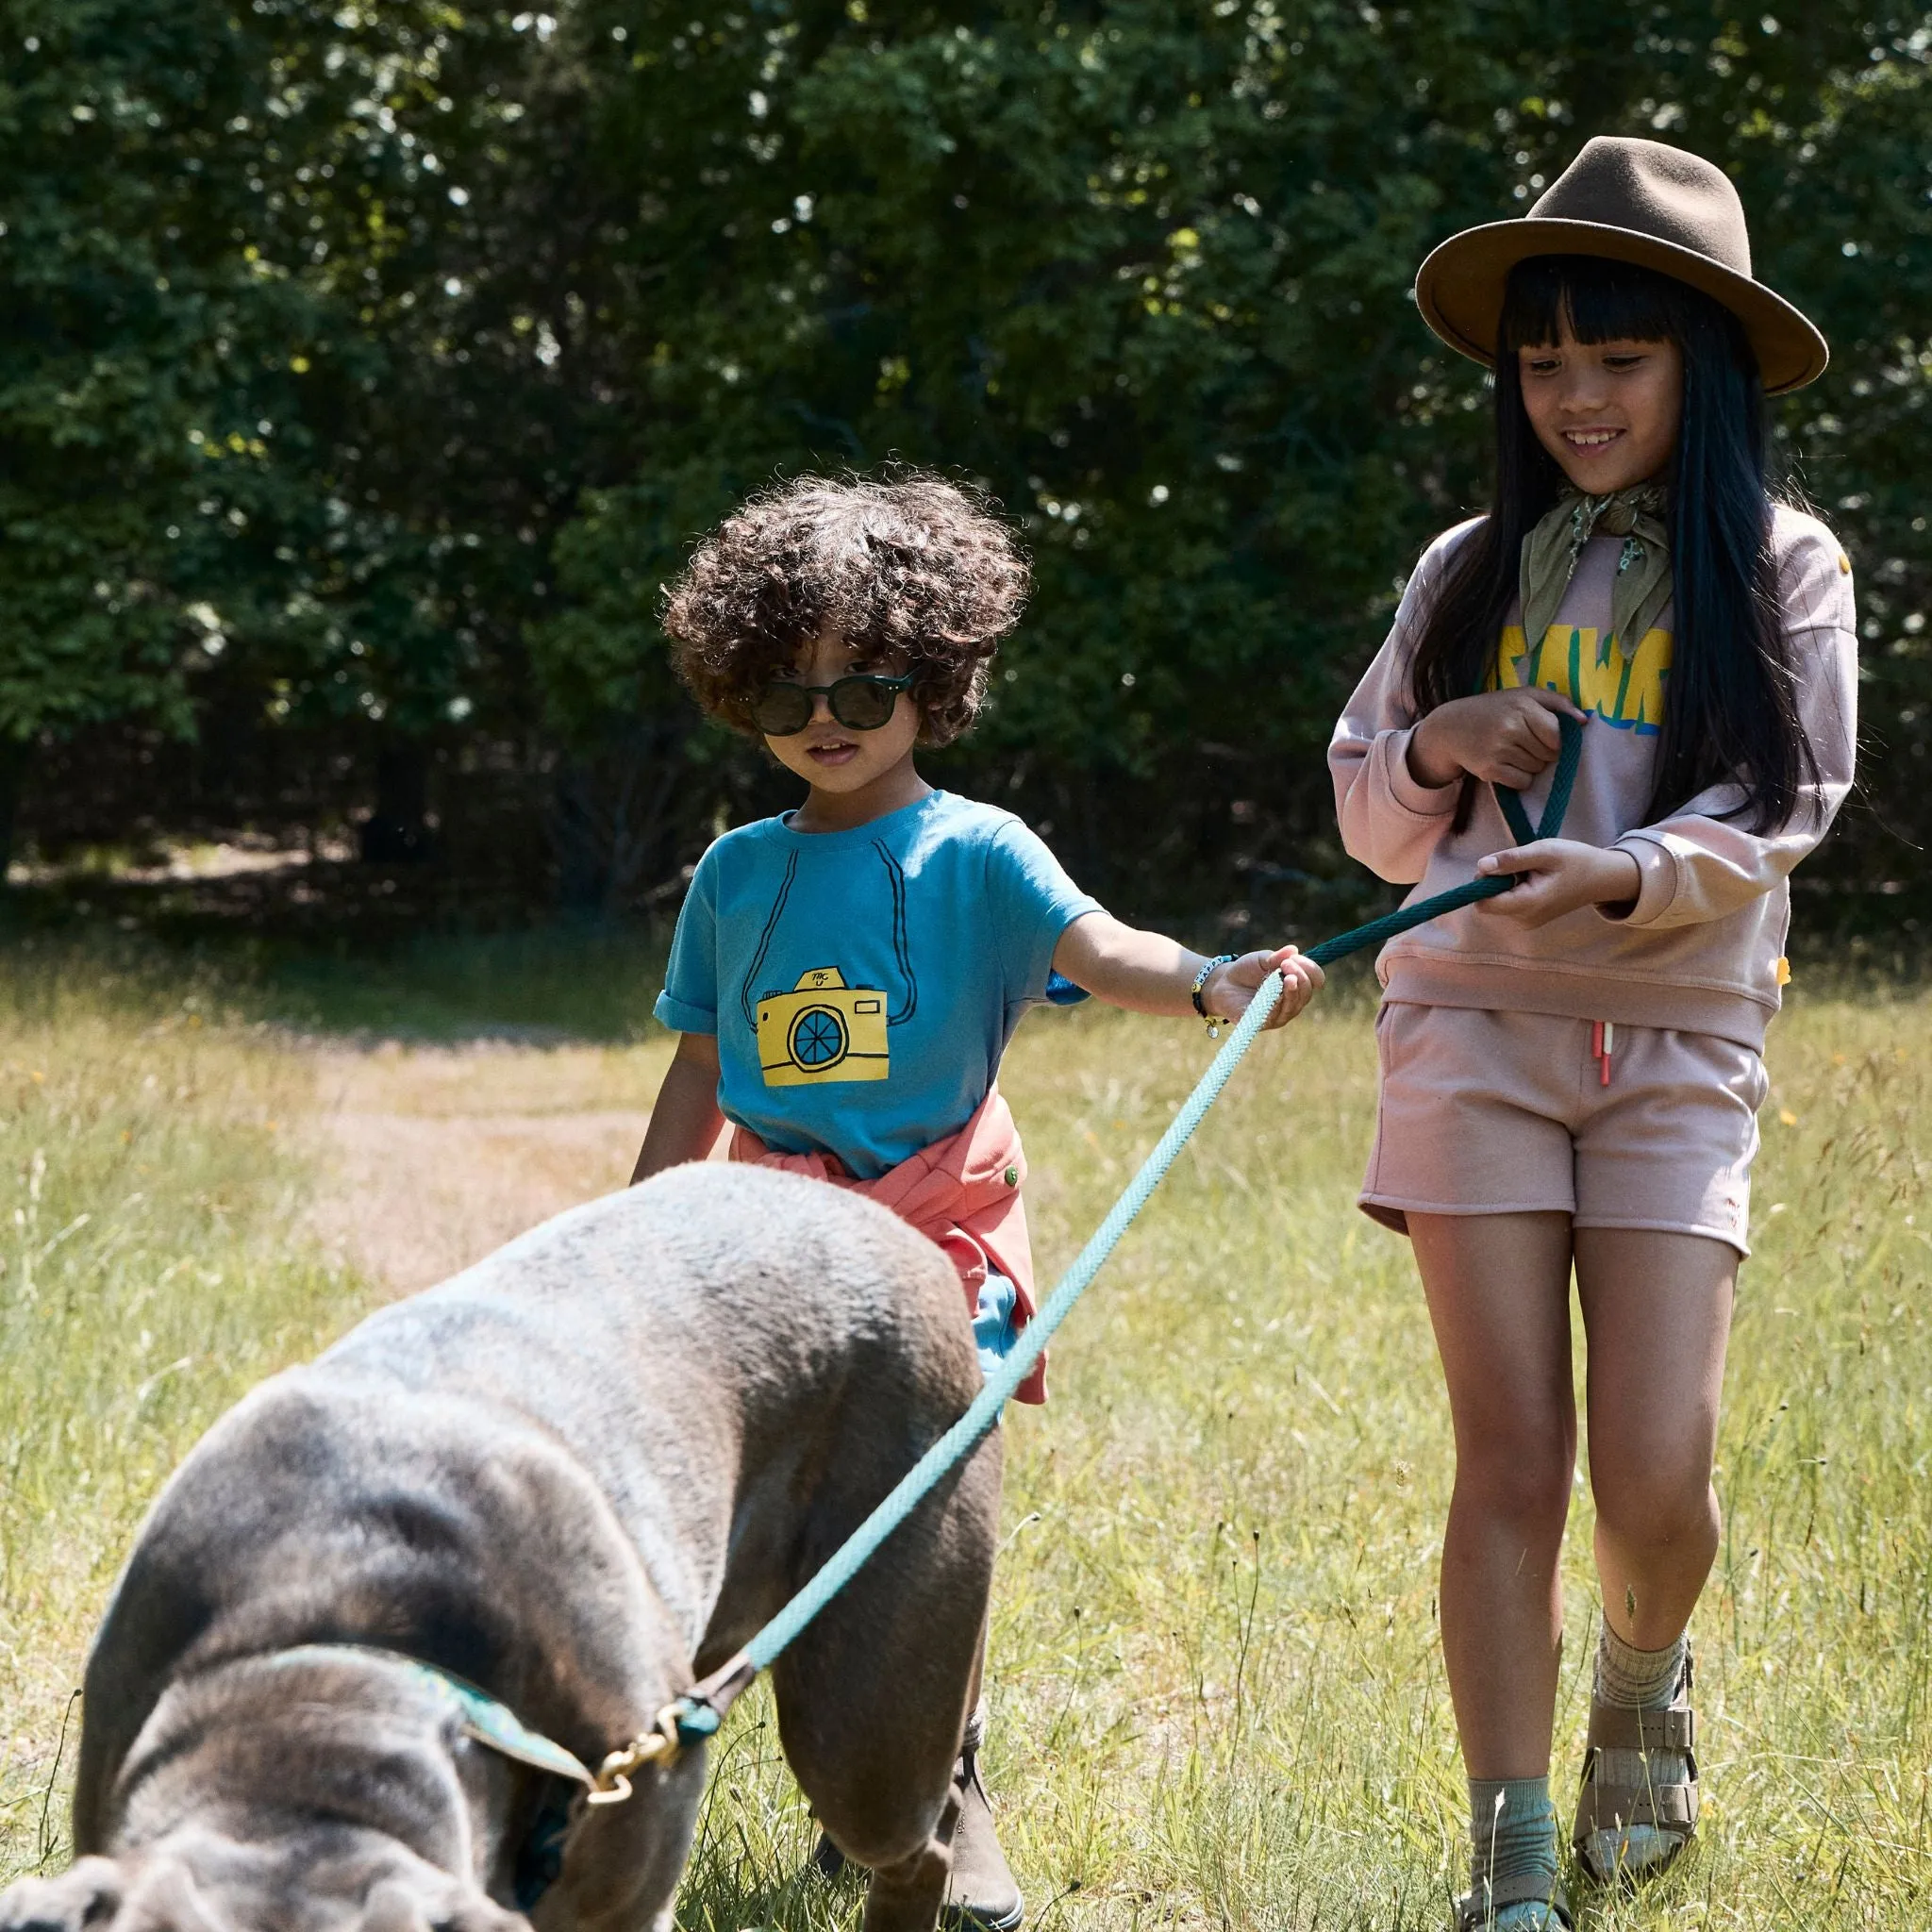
x: 432, y: 1157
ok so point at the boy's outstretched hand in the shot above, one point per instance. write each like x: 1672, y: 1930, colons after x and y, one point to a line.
x: 1230, y: 989
x: 1147, y: 972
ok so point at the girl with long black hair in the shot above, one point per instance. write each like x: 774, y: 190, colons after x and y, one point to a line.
x: 1570, y: 1072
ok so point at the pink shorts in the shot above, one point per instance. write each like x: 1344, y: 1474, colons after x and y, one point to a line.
x: 1500, y: 1113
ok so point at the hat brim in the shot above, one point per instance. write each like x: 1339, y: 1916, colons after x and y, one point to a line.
x: 1459, y: 291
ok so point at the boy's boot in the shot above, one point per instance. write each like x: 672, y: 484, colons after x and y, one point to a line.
x: 983, y: 1894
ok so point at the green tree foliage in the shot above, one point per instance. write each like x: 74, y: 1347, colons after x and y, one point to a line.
x: 223, y: 360
x: 1145, y: 269
x: 563, y: 285
x: 116, y: 316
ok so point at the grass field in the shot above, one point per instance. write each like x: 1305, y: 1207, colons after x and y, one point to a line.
x: 1216, y: 1692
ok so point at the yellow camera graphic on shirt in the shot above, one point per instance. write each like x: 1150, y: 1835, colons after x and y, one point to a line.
x: 822, y: 1029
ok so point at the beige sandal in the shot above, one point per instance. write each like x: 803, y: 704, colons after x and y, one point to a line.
x: 1475, y: 1913
x: 1668, y: 1808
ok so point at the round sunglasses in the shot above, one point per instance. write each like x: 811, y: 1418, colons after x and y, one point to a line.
x: 862, y: 702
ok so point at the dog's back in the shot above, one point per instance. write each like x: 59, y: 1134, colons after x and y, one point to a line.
x: 715, y: 1318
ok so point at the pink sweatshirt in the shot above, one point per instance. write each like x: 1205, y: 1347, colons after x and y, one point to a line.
x: 963, y: 1192
x: 1702, y: 948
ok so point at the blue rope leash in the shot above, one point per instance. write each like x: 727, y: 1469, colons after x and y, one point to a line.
x: 1406, y: 918
x: 700, y: 1711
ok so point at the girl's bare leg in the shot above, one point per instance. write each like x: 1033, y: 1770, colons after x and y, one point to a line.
x: 1656, y: 1310
x: 1498, y: 1290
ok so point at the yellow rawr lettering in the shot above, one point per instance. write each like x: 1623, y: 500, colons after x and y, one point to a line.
x: 1590, y: 672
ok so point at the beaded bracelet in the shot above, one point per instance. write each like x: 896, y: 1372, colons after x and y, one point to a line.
x: 1215, y: 1021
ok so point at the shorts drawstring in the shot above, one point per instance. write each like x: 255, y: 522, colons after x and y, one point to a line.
x: 1603, y: 1042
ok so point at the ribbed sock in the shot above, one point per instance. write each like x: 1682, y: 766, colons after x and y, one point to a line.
x: 1637, y: 1681
x: 1512, y: 1832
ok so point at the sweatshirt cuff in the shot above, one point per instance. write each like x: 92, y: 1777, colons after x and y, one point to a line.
x: 1425, y: 801
x: 1656, y: 868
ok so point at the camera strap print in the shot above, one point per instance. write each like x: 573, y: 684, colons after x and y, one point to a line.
x: 823, y: 1028
x: 698, y: 1713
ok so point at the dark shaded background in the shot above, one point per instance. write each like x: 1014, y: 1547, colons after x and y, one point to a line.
x: 363, y: 371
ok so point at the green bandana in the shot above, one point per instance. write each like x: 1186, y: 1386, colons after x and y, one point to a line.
x: 1643, y: 572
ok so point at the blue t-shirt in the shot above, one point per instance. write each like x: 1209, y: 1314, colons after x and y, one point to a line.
x: 864, y: 984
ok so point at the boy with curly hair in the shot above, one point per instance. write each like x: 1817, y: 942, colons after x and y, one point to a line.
x: 846, y: 977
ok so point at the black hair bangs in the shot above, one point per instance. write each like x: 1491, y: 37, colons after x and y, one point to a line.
x: 1607, y: 301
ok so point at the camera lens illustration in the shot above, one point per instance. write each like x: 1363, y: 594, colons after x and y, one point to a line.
x: 822, y: 1029
x: 818, y: 1037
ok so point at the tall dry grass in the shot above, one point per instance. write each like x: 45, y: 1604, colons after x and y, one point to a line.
x: 1217, y: 1692
x: 149, y: 1275
x: 1215, y: 1678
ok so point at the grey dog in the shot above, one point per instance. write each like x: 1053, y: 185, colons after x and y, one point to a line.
x: 577, y: 1475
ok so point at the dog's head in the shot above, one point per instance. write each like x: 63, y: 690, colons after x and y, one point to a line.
x: 336, y: 1796
x: 202, y: 1882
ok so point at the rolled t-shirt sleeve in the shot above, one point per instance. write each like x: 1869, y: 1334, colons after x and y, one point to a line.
x: 1030, y: 902
x: 689, y: 1002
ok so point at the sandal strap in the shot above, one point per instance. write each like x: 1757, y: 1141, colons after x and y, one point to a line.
x: 1617, y: 1727
x: 1613, y: 1808
x: 1479, y: 1909
x: 1666, y: 1805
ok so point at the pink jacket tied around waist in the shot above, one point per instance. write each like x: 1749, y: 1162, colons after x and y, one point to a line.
x: 963, y: 1192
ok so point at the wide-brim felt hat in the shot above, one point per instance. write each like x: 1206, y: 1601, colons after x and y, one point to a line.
x: 1624, y: 200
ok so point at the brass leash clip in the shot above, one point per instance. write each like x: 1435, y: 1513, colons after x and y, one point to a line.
x: 660, y: 1744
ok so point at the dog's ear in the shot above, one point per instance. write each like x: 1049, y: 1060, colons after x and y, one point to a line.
x: 102, y: 1895
x: 481, y: 1915
x: 85, y: 1898
x: 164, y: 1898
x: 397, y: 1906
x: 394, y: 1906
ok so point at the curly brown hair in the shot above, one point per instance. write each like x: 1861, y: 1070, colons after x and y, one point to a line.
x: 921, y: 570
